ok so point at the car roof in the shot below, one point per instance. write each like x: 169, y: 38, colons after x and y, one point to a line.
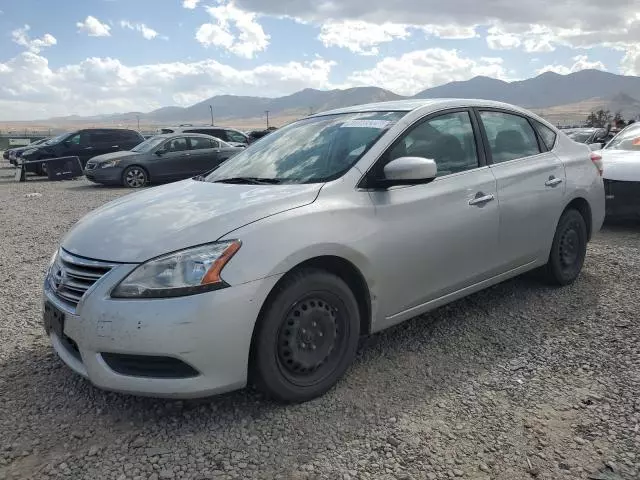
x: 416, y: 104
x: 167, y: 136
x: 200, y: 127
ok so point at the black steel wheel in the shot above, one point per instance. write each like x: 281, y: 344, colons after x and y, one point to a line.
x: 135, y: 177
x: 568, y: 250
x: 307, y: 337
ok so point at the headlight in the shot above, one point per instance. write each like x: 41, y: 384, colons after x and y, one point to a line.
x: 110, y: 163
x: 51, y: 262
x: 187, y: 272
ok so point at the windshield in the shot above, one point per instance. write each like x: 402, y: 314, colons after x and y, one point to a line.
x: 55, y: 140
x: 580, y: 137
x: 148, y: 145
x: 313, y: 150
x: 627, y: 139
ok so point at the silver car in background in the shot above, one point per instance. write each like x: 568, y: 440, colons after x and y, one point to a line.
x: 270, y: 268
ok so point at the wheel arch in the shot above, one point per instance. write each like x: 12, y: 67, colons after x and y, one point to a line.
x: 582, y: 206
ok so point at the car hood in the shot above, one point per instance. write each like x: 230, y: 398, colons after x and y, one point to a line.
x: 179, y: 215
x: 112, y: 156
x: 622, y: 165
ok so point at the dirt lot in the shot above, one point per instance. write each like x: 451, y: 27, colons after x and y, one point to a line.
x: 520, y: 381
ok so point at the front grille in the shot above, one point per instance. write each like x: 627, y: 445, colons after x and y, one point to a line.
x: 148, y: 366
x: 71, y: 276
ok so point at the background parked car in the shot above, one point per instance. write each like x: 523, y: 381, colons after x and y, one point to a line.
x: 15, y: 153
x: 258, y: 134
x: 84, y: 144
x: 590, y: 136
x: 621, y: 173
x: 233, y: 137
x: 162, y: 158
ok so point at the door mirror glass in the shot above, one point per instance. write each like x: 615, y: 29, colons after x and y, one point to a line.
x: 410, y: 171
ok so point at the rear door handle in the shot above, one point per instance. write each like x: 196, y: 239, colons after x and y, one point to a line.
x: 553, y: 181
x: 481, y: 199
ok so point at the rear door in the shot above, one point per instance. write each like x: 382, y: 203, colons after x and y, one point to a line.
x: 173, y: 162
x: 531, y: 185
x: 204, y: 154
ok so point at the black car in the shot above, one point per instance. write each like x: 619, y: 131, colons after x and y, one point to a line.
x: 258, y: 134
x: 232, y: 136
x: 162, y: 158
x: 84, y: 144
x: 15, y: 154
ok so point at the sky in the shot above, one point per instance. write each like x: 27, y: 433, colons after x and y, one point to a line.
x: 87, y: 57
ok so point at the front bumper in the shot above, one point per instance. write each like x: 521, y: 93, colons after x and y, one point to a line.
x: 622, y: 199
x: 210, y: 332
x: 107, y: 176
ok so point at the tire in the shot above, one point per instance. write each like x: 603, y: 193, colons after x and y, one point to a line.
x: 568, y: 250
x: 306, y: 338
x: 135, y: 177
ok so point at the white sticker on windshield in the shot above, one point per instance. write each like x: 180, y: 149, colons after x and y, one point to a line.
x: 379, y: 124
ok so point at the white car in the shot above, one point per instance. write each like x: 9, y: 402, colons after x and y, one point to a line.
x: 621, y: 173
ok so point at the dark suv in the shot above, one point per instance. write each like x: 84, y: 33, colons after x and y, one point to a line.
x: 84, y: 144
x: 232, y: 136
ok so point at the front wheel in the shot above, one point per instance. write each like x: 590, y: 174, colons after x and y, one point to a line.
x: 307, y: 337
x: 134, y: 177
x: 568, y: 250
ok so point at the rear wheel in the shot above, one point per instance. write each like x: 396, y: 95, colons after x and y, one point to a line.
x: 568, y: 250
x: 135, y: 177
x: 307, y: 337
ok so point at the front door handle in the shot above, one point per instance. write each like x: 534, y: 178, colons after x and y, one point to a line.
x: 115, y: 146
x: 553, y: 181
x: 481, y: 199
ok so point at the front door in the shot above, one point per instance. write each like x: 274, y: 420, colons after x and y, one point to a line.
x: 440, y: 237
x: 531, y: 185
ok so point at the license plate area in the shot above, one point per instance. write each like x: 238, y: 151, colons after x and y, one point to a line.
x: 53, y: 320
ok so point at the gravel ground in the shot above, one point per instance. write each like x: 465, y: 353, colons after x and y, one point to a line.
x: 520, y: 381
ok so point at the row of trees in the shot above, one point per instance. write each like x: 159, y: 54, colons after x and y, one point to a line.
x: 602, y: 118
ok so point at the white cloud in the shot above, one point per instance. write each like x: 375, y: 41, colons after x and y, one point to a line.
x: 630, y: 64
x: 190, y: 4
x: 422, y: 69
x: 147, y: 32
x: 451, y: 32
x: 500, y: 40
x: 93, y: 27
x: 21, y: 37
x: 360, y: 37
x: 581, y: 62
x: 31, y: 88
x: 235, y: 30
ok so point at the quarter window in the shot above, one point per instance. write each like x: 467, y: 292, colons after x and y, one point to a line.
x: 548, y: 136
x: 447, y: 139
x: 510, y: 136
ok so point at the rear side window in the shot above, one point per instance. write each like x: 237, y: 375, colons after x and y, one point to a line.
x: 198, y: 143
x: 510, y: 136
x: 548, y: 136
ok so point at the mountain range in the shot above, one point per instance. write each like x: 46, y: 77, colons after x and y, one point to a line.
x: 550, y: 91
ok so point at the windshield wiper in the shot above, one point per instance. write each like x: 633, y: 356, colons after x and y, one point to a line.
x: 250, y: 180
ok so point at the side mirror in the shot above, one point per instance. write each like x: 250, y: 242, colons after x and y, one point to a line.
x: 596, y: 146
x: 160, y: 152
x: 409, y: 171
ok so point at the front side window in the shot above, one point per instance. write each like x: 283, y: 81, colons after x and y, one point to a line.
x: 312, y: 150
x: 148, y: 145
x: 510, y: 136
x: 447, y: 139
x: 627, y: 139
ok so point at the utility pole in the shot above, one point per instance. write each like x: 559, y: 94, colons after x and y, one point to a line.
x: 310, y: 110
x: 267, y: 113
x: 211, y: 109
x: 138, y: 117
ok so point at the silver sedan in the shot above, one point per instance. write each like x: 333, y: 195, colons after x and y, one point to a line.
x: 270, y: 268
